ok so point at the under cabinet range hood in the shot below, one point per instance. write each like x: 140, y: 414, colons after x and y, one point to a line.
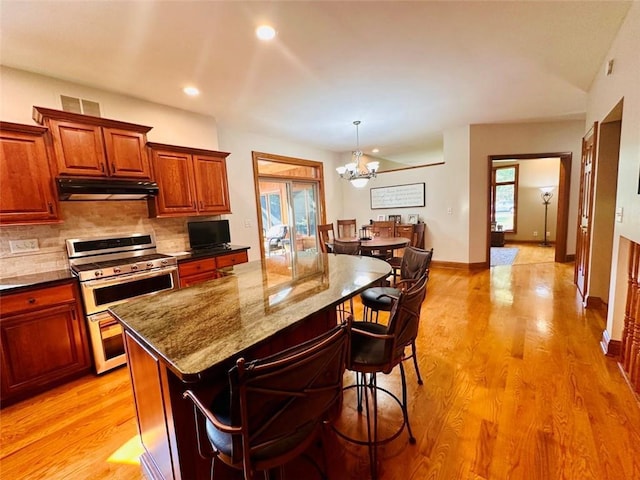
x: 105, y: 189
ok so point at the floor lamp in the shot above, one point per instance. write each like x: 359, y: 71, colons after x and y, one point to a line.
x: 546, y: 199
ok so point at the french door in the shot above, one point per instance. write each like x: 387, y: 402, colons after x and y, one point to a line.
x: 290, y: 200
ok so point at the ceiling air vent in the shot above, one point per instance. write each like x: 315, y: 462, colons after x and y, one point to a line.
x: 80, y: 105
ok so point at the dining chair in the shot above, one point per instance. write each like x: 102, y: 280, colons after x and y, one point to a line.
x: 384, y: 229
x: 418, y: 235
x: 346, y: 247
x: 377, y: 348
x: 274, y: 407
x: 347, y: 228
x: 325, y: 235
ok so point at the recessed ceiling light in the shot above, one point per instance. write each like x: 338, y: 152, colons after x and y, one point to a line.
x: 375, y: 150
x: 191, y: 91
x: 265, y: 32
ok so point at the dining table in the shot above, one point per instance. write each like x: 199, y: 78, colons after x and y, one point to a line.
x: 375, y: 243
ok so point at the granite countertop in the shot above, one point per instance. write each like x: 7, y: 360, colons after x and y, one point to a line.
x: 192, y: 255
x: 24, y: 282
x: 196, y: 328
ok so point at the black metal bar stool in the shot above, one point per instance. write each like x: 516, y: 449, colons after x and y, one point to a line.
x: 377, y: 348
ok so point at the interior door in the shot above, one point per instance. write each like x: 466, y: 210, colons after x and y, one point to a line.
x: 585, y: 209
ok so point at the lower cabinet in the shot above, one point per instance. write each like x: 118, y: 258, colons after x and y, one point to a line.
x: 200, y: 270
x: 43, y: 340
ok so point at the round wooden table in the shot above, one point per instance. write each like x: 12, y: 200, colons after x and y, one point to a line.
x: 376, y: 243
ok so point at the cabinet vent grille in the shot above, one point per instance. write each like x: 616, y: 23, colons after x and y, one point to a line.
x: 80, y: 105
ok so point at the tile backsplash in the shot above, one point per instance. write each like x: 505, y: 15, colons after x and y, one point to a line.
x: 84, y: 220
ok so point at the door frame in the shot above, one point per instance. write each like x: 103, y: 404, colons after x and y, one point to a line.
x: 292, y: 161
x: 564, y: 187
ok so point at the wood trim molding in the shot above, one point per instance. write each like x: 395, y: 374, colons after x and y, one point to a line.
x: 611, y: 348
x: 39, y: 114
x: 460, y: 265
x: 596, y: 303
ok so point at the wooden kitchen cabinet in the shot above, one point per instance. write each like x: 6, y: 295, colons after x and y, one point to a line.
x: 191, y: 181
x: 43, y: 340
x: 200, y: 270
x: 27, y: 193
x: 96, y: 147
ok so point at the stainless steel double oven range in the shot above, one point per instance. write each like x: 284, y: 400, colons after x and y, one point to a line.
x: 112, y: 270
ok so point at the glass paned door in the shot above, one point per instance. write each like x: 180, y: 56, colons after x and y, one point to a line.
x: 289, y: 216
x: 304, y: 204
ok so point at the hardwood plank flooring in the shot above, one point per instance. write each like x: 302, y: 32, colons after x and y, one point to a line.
x: 515, y: 387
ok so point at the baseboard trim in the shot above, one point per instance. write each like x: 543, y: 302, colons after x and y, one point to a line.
x: 611, y: 348
x: 570, y: 258
x: 596, y: 303
x: 460, y: 265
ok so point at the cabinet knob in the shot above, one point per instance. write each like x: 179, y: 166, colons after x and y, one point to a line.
x: 31, y: 301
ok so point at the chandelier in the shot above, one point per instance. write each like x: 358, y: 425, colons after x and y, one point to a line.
x: 356, y: 173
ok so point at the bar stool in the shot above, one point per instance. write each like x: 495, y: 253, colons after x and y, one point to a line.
x: 377, y: 348
x: 274, y: 407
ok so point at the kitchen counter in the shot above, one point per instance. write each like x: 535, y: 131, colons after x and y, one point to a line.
x: 25, y: 282
x: 196, y: 328
x: 196, y: 254
x: 189, y: 338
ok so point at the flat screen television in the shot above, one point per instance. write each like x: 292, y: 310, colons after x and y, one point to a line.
x: 209, y: 234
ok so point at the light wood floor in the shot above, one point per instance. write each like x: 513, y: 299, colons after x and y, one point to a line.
x: 515, y: 387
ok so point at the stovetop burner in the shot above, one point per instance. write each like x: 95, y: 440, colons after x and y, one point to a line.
x: 97, y: 258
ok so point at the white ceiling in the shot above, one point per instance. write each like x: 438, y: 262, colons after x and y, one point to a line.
x: 407, y: 70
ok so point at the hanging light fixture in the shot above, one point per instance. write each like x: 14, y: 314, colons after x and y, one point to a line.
x: 356, y: 173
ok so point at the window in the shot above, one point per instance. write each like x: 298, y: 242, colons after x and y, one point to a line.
x: 504, y: 197
x: 273, y: 214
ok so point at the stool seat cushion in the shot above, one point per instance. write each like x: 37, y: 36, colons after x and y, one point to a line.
x: 367, y: 350
x: 376, y: 298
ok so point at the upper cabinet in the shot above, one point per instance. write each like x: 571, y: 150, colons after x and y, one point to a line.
x: 191, y: 181
x: 26, y: 194
x: 95, y: 147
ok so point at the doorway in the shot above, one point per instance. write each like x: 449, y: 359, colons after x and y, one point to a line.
x: 290, y: 199
x: 597, y: 209
x: 561, y: 184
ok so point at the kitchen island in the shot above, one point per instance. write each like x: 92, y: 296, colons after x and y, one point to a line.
x: 189, y: 338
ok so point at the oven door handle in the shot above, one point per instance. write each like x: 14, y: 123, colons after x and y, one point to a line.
x: 105, y: 282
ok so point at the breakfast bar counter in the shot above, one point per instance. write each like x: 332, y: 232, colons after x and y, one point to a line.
x: 189, y: 338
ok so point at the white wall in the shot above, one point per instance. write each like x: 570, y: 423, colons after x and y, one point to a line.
x: 605, y: 93
x: 244, y: 221
x: 533, y: 174
x: 446, y: 187
x: 20, y: 91
x: 523, y: 138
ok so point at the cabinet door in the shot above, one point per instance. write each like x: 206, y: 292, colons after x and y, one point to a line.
x: 79, y: 148
x: 41, y: 348
x: 195, y: 279
x: 126, y: 153
x: 173, y: 172
x: 26, y: 193
x: 211, y: 184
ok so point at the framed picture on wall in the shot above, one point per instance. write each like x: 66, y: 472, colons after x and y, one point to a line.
x: 412, y: 218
